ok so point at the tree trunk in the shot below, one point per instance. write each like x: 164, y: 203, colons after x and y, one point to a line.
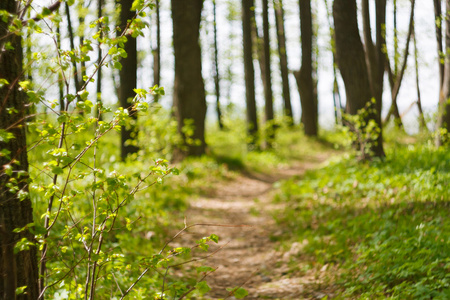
x: 350, y: 55
x: 16, y: 269
x: 157, y: 50
x: 396, y: 53
x: 304, y: 77
x: 81, y: 29
x: 189, y: 91
x: 375, y: 57
x: 99, y: 60
x: 395, y: 79
x: 279, y: 19
x: 268, y: 95
x: 128, y: 82
x: 258, y: 44
x: 216, y: 69
x: 72, y: 46
x: 249, y: 71
x: 422, y: 122
x: 443, y: 122
x: 336, y: 93
x: 62, y: 104
x: 351, y: 60
x: 438, y: 28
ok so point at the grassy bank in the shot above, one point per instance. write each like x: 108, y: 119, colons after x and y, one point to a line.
x: 378, y: 230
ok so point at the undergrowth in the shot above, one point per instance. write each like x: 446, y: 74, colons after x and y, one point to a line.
x: 382, y: 225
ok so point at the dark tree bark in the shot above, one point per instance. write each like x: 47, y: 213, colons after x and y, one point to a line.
x: 216, y: 69
x: 438, y: 28
x: 268, y: 94
x: 396, y: 53
x: 72, y: 46
x: 81, y: 38
x: 258, y: 45
x: 443, y: 122
x: 304, y: 77
x: 128, y: 82
x: 62, y: 104
x: 99, y: 61
x: 375, y: 57
x: 157, y: 50
x: 249, y: 71
x: 350, y: 55
x: 189, y: 91
x: 279, y: 19
x: 351, y: 60
x: 20, y: 269
x: 422, y: 122
x: 336, y: 93
x: 395, y: 79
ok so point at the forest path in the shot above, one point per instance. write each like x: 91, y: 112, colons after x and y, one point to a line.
x: 250, y: 259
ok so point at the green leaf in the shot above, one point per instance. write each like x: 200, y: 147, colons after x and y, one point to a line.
x: 204, y: 269
x: 57, y: 170
x: 22, y: 245
x: 204, y: 247
x: 238, y: 292
x: 214, y: 238
x: 3, y: 82
x: 20, y: 290
x: 5, y: 153
x: 83, y: 94
x: 5, y: 136
x: 202, y: 287
x: 175, y: 171
x: 117, y: 65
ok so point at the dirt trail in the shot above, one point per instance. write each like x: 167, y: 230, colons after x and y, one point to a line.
x: 250, y: 258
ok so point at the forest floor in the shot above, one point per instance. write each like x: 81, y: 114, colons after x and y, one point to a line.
x: 251, y: 256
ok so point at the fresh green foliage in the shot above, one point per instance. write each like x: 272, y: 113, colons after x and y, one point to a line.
x: 100, y: 223
x: 383, y: 225
x: 362, y: 130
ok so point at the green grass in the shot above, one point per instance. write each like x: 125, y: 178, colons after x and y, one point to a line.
x: 383, y: 225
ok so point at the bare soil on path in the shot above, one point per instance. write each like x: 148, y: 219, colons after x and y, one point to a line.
x: 251, y: 257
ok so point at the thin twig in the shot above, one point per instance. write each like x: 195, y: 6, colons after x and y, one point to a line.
x: 198, y: 224
x: 193, y: 288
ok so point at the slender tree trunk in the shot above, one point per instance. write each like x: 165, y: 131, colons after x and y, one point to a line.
x: 258, y: 43
x: 443, y: 122
x: 81, y: 29
x: 157, y: 50
x: 249, y: 72
x: 189, y: 91
x: 216, y: 69
x: 72, y: 46
x: 282, y: 53
x: 422, y: 122
x: 268, y: 95
x: 350, y: 55
x: 304, y: 77
x: 99, y: 60
x: 351, y: 60
x: 62, y: 104
x: 336, y: 93
x: 396, y: 53
x: 396, y: 79
x: 375, y: 59
x: 16, y: 269
x: 128, y: 82
x: 438, y: 28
